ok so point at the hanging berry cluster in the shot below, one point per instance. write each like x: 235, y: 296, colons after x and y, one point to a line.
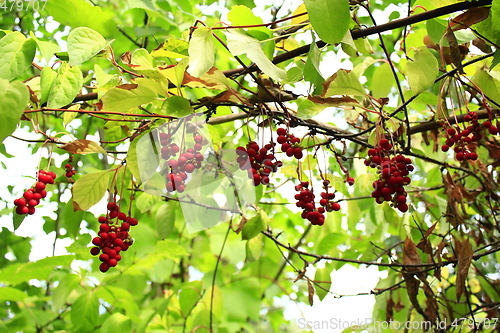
x: 70, y: 171
x: 260, y: 161
x: 113, y: 237
x: 305, y: 200
x: 290, y: 144
x: 393, y: 175
x: 31, y: 197
x: 459, y: 139
x: 187, y: 161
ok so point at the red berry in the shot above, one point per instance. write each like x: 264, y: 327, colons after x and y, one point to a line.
x: 383, y: 143
x: 104, y: 267
x: 22, y: 210
x: 112, y: 206
x: 28, y: 195
x: 493, y: 130
x: 112, y: 262
x: 39, y: 186
x: 95, y: 251
x: 336, y: 206
x: 132, y: 221
x: 281, y: 131
x: 97, y: 241
x: 350, y: 181
x: 281, y: 139
x: 403, y: 207
x: 445, y: 148
x: 451, y: 131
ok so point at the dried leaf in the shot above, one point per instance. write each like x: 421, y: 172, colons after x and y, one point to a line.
x: 128, y: 86
x: 227, y: 96
x: 213, y: 79
x: 437, y: 254
x: 455, y: 52
x: 410, y: 255
x: 126, y: 58
x: 470, y: 17
x: 334, y: 101
x: 83, y: 147
x: 464, y: 254
x: 310, y: 292
x: 389, y: 309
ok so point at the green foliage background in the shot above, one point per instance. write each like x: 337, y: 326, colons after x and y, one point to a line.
x: 226, y: 278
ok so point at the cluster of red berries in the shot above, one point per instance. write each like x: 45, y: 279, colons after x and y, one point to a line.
x: 305, y: 200
x: 113, y: 237
x: 455, y: 137
x: 259, y: 162
x: 393, y: 175
x: 70, y: 171
x: 31, y: 197
x: 290, y: 144
x: 186, y: 162
x: 326, y: 198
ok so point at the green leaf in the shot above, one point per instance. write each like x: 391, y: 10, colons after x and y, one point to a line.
x: 71, y: 219
x: 188, y: 297
x: 16, y: 54
x: 47, y: 49
x: 17, y: 219
x: 240, y: 43
x: 40, y: 270
x: 307, y: 108
x: 496, y: 59
x: 80, y: 13
x: 312, y: 73
x: 83, y: 44
x: 11, y: 294
x: 126, y: 97
x: 201, y: 52
x: 382, y: 81
x: 323, y: 281
x: 254, y: 226
x: 165, y: 218
x: 47, y: 78
x: 117, y: 323
x: 242, y: 15
x: 254, y: 248
x: 488, y: 85
x: 170, y: 249
x: 61, y: 293
x: 344, y: 82
x: 177, y: 106
x: 14, y: 97
x: 85, y: 312
x: 329, y: 18
x: 143, y: 157
x: 65, y: 87
x: 172, y: 48
x: 89, y: 189
x: 423, y: 71
x: 329, y: 243
x: 145, y: 201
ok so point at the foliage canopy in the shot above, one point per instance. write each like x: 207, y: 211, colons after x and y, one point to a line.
x: 389, y: 108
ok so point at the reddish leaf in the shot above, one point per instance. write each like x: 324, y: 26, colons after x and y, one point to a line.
x: 128, y: 86
x: 83, y: 147
x: 470, y: 17
x: 227, y: 96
